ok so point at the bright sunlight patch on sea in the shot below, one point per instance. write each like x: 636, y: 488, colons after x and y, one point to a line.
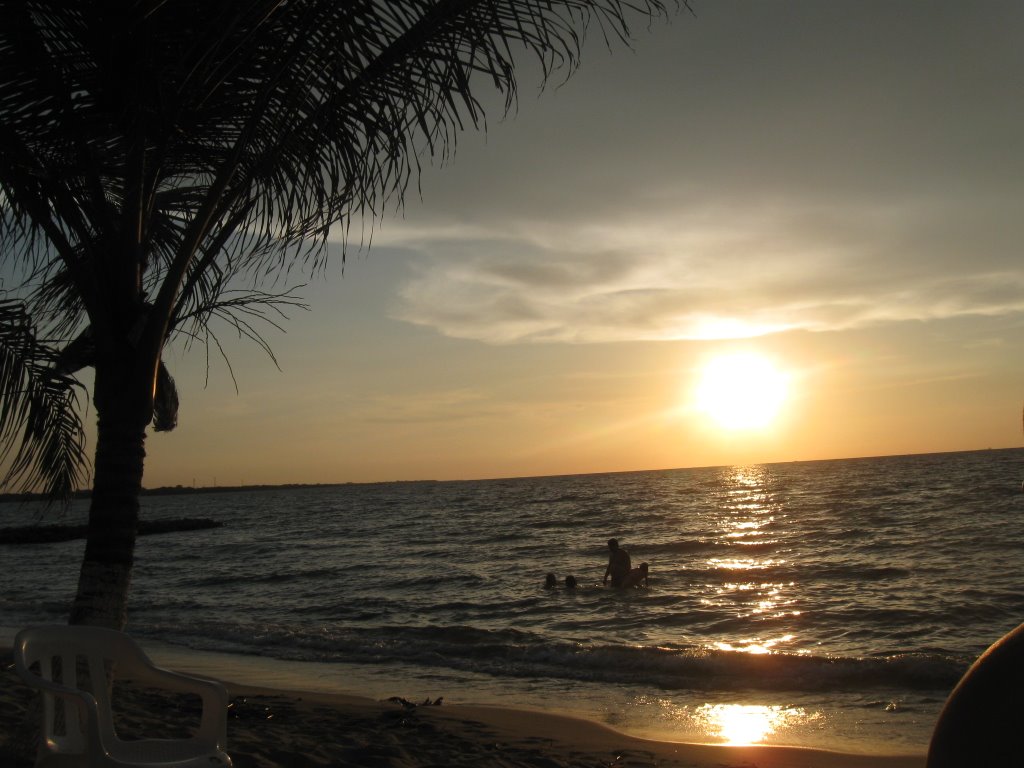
x: 745, y: 724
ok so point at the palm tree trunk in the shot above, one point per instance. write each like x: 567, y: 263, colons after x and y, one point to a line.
x: 124, y: 408
x: 102, y: 599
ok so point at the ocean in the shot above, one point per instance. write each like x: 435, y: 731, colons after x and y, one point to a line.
x: 829, y: 604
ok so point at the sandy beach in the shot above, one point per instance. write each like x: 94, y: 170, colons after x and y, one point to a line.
x: 268, y: 727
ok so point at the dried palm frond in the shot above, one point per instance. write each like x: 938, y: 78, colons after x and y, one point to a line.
x: 165, y: 401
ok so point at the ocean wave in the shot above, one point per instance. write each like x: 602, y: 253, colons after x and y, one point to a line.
x: 547, y: 525
x: 784, y: 571
x: 685, y: 546
x: 517, y: 653
x: 265, y: 577
x: 856, y: 572
x: 565, y: 498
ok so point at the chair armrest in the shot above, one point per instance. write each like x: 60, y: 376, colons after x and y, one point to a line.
x: 213, y: 725
x: 83, y: 701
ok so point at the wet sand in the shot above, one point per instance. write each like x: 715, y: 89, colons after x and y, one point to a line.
x: 269, y: 728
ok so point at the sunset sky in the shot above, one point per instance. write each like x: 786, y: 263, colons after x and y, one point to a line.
x: 835, y: 187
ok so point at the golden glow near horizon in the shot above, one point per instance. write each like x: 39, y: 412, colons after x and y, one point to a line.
x: 535, y: 312
x: 741, y: 391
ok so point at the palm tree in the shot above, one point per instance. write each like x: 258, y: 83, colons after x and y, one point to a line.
x: 158, y: 155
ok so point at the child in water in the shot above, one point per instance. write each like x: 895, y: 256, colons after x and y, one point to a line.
x: 635, y: 576
x: 550, y: 582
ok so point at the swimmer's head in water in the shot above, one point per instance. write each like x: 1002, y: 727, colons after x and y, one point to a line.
x: 550, y: 581
x: 570, y: 582
x: 613, y: 543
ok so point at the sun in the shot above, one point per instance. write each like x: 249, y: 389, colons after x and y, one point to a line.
x: 741, y: 391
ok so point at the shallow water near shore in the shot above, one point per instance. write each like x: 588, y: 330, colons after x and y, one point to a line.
x: 828, y: 604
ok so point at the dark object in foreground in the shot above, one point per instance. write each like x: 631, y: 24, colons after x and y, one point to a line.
x: 406, y: 704
x: 982, y: 714
x: 79, y: 671
x: 40, y: 534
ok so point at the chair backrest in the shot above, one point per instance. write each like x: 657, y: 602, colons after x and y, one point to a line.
x: 76, y: 657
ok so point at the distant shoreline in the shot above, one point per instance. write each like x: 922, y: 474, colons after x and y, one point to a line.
x: 173, y: 490
x: 178, y: 490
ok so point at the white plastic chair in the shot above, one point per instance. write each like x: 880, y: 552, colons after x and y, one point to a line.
x: 85, y: 735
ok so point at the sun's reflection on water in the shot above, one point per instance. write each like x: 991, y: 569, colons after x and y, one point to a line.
x: 742, y: 564
x: 728, y: 724
x: 756, y: 647
x: 745, y: 724
x: 749, y: 568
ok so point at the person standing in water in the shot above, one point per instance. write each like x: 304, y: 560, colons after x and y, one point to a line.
x: 619, y: 564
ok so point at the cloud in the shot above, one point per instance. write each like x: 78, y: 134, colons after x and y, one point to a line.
x: 718, y: 272
x: 747, y: 171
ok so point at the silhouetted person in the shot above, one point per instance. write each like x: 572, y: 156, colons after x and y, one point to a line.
x: 550, y: 582
x: 619, y: 564
x: 635, y: 576
x: 980, y: 724
x: 570, y: 582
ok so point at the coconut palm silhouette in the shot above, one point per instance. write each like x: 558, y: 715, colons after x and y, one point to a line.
x: 158, y: 158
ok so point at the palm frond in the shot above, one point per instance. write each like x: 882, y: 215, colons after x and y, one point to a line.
x: 214, y: 129
x: 246, y: 312
x: 41, y: 436
x: 154, y: 154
